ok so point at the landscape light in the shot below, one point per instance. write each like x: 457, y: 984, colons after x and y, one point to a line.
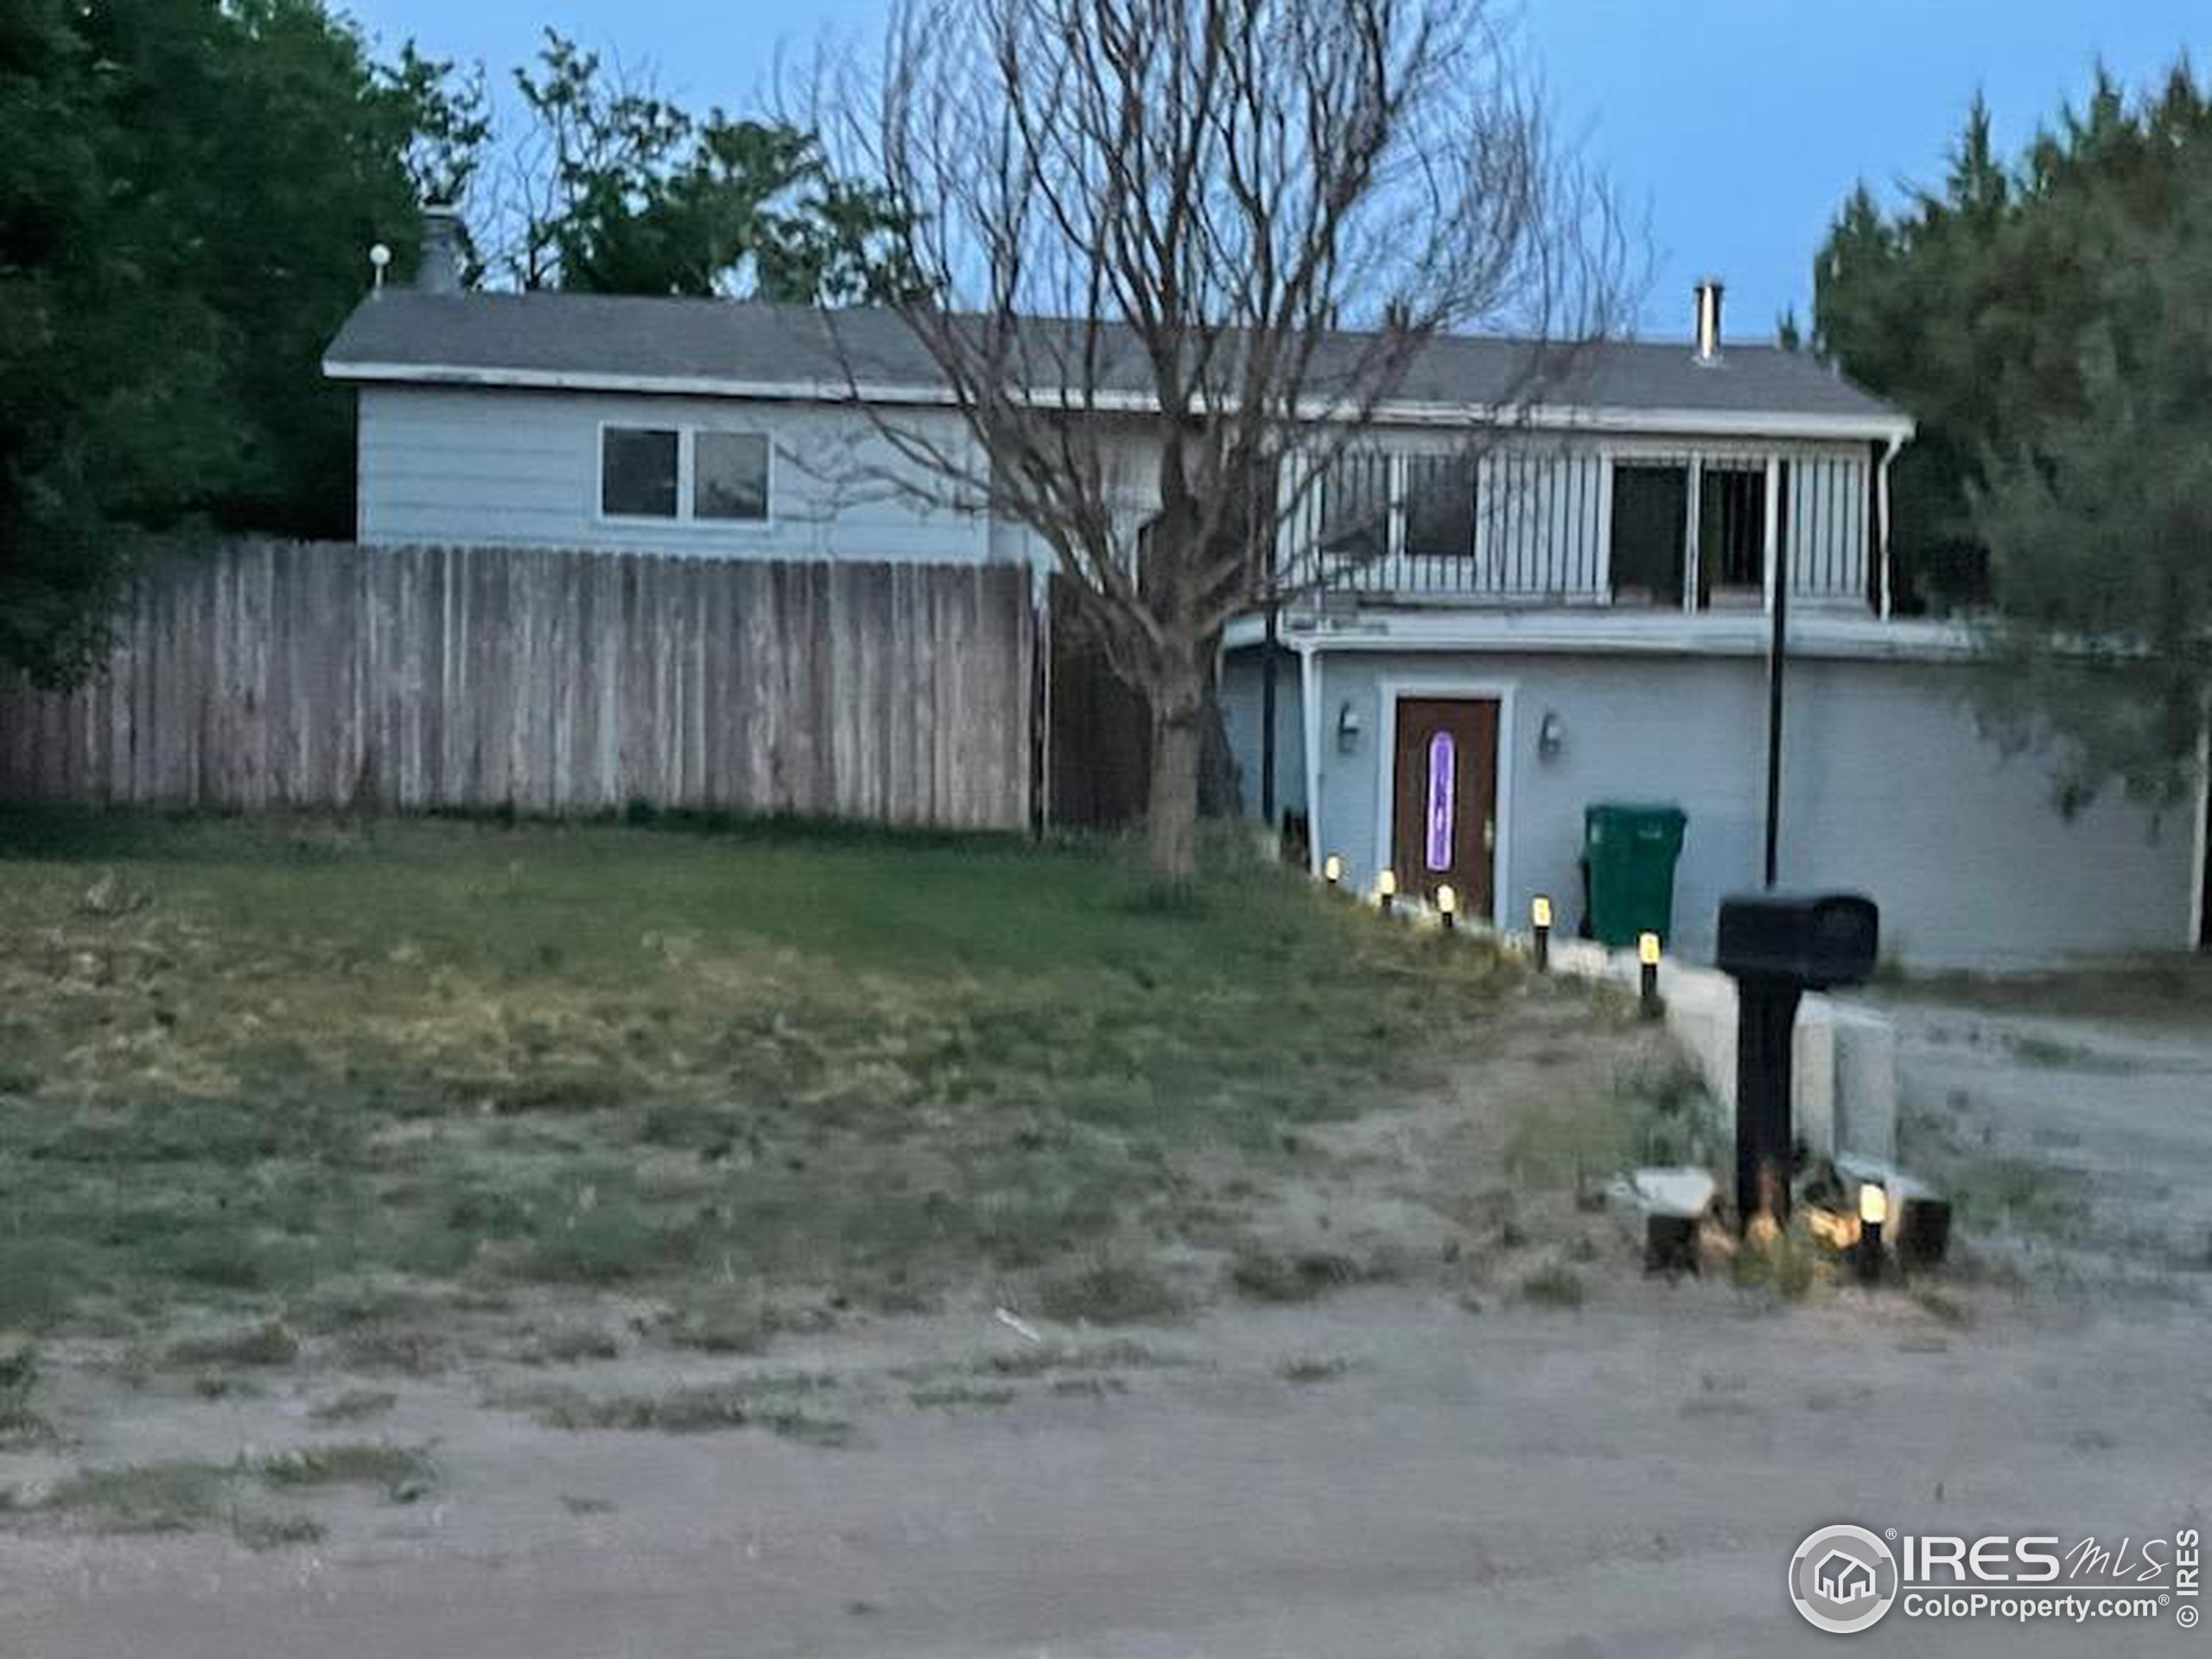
x: 1447, y: 906
x: 1873, y: 1212
x: 1333, y: 869
x: 1647, y: 955
x: 1540, y: 921
x: 1386, y: 890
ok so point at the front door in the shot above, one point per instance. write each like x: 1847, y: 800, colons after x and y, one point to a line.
x: 1444, y: 799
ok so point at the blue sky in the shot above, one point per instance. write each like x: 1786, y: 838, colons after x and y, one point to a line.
x: 1738, y: 125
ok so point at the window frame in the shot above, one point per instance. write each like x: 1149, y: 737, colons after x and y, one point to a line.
x: 767, y: 513
x: 1682, y: 599
x: 1385, y: 475
x: 675, y: 514
x: 686, y: 474
x: 1409, y: 462
x: 1714, y: 594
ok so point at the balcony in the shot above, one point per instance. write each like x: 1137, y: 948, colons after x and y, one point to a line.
x: 1631, y: 527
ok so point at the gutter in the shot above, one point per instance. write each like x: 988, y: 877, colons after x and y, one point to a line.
x: 1598, y: 631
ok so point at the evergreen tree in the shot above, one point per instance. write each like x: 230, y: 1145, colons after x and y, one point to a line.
x: 2045, y: 323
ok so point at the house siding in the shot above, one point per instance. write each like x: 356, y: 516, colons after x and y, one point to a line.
x: 463, y: 467
x: 1889, y: 788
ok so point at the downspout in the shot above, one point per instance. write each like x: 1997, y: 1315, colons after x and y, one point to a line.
x: 1882, y: 516
x: 1272, y: 641
x: 1309, y: 696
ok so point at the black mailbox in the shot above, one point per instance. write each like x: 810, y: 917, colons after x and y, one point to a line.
x: 1778, y: 946
x: 1814, y: 940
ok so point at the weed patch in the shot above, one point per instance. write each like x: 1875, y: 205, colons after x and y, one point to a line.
x: 754, y: 1403
x: 1109, y: 1293
x: 172, y: 1496
x: 1266, y: 1277
x: 1554, y: 1285
x: 403, y: 1472
x: 353, y: 1405
x: 270, y: 1343
x: 19, y: 1371
x: 1308, y: 1369
x: 952, y: 1396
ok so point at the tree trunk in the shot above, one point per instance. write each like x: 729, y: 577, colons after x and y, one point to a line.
x: 1171, y: 806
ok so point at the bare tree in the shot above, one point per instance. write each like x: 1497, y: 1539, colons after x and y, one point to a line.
x: 1181, y: 253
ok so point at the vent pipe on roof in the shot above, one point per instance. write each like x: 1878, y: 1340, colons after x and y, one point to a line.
x: 1708, y: 322
x: 440, y: 269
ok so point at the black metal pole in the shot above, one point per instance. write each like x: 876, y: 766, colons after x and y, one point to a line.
x: 1268, y: 716
x: 1777, y: 655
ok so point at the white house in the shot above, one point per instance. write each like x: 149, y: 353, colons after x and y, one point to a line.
x: 1582, y: 600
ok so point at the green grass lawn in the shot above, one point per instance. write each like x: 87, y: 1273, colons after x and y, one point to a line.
x: 303, y: 1064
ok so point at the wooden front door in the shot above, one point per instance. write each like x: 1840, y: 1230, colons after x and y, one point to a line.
x: 1444, y: 799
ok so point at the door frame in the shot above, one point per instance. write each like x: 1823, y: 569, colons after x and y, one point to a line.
x: 1390, y: 692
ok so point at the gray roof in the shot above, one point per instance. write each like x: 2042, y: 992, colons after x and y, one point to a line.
x: 584, y: 339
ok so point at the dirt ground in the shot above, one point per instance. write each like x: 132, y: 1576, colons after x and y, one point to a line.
x: 1401, y: 1469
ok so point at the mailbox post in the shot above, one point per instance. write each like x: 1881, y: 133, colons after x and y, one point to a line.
x: 1777, y: 946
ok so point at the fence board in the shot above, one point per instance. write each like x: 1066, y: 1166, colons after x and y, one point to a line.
x: 262, y: 673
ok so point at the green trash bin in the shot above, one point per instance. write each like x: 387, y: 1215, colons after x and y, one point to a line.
x: 1629, y: 850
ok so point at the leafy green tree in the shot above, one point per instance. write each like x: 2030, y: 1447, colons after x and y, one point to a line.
x: 615, y: 190
x: 113, y: 406
x: 2045, y: 323
x: 188, y: 191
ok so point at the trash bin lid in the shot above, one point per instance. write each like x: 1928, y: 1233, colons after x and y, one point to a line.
x: 1603, y: 819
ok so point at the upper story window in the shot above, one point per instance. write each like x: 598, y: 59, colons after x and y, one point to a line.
x: 1651, y: 504
x: 1356, y: 507
x: 1419, y: 506
x: 637, y: 472
x: 697, y: 473
x: 1439, y: 506
x: 729, y: 475
x: 1732, y: 534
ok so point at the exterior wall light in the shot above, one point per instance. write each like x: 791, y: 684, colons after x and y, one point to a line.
x: 1551, y: 735
x: 1333, y: 869
x: 1539, y: 924
x: 1873, y: 1215
x: 1348, y: 730
x: 1447, y: 908
x: 1386, y: 891
x: 1647, y: 956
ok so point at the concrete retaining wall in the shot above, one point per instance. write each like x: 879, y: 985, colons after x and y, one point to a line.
x: 1843, y: 1068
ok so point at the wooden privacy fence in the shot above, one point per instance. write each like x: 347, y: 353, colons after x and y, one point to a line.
x: 265, y: 674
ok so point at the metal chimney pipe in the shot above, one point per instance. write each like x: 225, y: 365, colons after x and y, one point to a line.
x: 1708, y: 292
x: 439, y: 273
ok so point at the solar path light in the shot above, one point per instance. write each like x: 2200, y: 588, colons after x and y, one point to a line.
x: 1873, y: 1212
